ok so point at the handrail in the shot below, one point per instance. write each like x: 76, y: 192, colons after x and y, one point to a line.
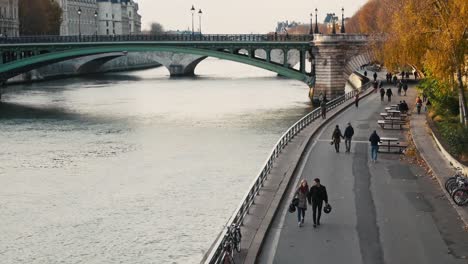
x: 216, y: 254
x: 160, y: 37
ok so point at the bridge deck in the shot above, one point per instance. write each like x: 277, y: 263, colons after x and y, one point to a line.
x: 382, y: 213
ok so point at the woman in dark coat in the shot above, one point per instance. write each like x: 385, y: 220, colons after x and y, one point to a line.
x: 302, y: 195
x: 336, y: 138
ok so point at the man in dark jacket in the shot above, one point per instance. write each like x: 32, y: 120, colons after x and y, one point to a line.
x: 323, y: 107
x: 336, y: 138
x: 375, y: 76
x: 317, y: 194
x: 374, y: 140
x: 348, y: 135
x: 389, y: 94
x: 382, y: 94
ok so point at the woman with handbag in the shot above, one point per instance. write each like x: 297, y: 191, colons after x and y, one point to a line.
x: 302, y: 194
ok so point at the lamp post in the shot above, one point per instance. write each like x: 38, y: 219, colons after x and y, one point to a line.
x: 311, y: 30
x: 193, y: 12
x: 95, y: 21
x: 333, y: 26
x: 342, y: 21
x: 79, y: 22
x: 316, y: 22
x: 199, y: 20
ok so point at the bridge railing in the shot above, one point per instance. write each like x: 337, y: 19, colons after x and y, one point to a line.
x: 159, y: 37
x: 217, y: 253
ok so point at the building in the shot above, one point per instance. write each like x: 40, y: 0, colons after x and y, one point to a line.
x: 75, y: 22
x: 9, y: 20
x: 285, y: 26
x: 118, y: 17
x: 102, y: 17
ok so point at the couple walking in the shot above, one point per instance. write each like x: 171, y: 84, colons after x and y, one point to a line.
x: 315, y: 196
x: 337, y: 136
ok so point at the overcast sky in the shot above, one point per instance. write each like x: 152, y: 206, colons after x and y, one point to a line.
x: 238, y: 16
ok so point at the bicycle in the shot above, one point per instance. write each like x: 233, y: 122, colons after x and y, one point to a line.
x: 452, y: 182
x: 233, y: 239
x: 460, y: 194
x: 236, y: 236
x: 228, y: 249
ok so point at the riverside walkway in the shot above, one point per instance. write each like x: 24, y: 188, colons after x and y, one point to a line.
x: 384, y: 212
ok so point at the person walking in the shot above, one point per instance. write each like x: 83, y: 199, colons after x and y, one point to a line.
x: 348, y: 135
x: 389, y: 94
x: 405, y: 87
x: 374, y: 140
x: 418, y: 105
x: 323, y: 107
x: 365, y: 73
x: 356, y: 100
x: 336, y: 138
x: 375, y: 76
x: 399, y: 86
x: 302, y: 194
x: 317, y: 195
x: 376, y: 85
x: 382, y: 94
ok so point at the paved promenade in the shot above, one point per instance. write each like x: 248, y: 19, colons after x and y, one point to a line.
x: 387, y: 212
x: 440, y: 167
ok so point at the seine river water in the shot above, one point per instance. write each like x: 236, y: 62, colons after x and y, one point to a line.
x: 134, y: 167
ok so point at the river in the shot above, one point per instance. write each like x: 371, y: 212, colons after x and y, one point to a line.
x: 134, y: 167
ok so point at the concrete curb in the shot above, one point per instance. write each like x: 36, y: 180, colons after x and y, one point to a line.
x: 257, y: 243
x: 454, y: 162
x: 463, y: 214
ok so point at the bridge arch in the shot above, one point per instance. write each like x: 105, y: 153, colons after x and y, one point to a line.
x: 14, y: 68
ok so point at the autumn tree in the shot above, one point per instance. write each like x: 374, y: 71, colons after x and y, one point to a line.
x: 39, y: 17
x: 426, y: 34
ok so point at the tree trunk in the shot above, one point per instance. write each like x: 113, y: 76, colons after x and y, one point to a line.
x: 462, y: 99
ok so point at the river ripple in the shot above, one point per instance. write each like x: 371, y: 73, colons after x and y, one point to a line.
x: 134, y: 167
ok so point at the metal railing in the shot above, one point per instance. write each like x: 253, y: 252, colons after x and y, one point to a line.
x: 160, y: 37
x: 217, y: 253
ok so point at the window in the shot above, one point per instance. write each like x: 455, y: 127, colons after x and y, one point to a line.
x: 107, y: 31
x: 107, y: 23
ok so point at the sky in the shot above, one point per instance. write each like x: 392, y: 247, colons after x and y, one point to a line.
x: 238, y: 16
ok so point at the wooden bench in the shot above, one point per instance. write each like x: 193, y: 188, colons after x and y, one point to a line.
x: 391, y: 122
x: 399, y: 146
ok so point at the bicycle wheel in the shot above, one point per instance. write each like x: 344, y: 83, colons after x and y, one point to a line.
x: 237, y: 241
x: 451, y: 186
x: 449, y: 181
x: 228, y: 259
x: 460, y: 197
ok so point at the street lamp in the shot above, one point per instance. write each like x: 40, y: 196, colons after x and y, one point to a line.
x: 95, y: 21
x: 311, y: 31
x: 342, y: 21
x: 193, y: 12
x: 334, y: 26
x: 199, y: 22
x: 79, y: 22
x: 316, y: 22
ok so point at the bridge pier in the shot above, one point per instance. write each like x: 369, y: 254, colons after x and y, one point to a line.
x: 179, y: 65
x: 334, y: 60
